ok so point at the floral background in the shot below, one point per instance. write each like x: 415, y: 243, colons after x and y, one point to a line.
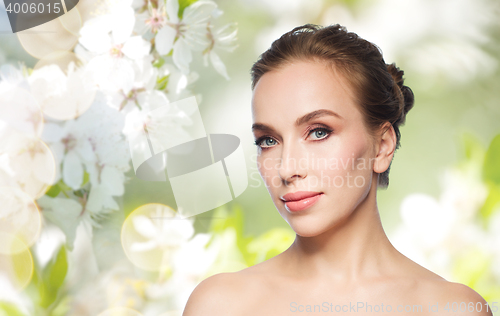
x: 77, y: 226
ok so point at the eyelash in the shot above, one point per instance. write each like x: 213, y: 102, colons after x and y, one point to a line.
x: 327, y: 130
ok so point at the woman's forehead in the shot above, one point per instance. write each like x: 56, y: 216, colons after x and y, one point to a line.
x: 301, y: 87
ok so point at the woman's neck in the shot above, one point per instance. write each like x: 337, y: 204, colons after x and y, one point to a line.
x: 355, y: 249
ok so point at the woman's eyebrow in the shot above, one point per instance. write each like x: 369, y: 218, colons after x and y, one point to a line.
x: 300, y: 121
x: 315, y: 114
x: 262, y: 127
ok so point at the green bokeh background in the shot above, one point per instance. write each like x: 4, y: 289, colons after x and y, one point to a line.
x: 432, y: 137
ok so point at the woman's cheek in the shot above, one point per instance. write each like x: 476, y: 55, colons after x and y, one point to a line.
x: 346, y: 167
x: 265, y: 168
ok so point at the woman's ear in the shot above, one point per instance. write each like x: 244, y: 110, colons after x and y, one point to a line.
x: 386, y: 145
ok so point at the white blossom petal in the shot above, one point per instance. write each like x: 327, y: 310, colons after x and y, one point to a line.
x: 164, y: 40
x: 144, y: 246
x: 181, y: 84
x: 136, y: 47
x: 43, y: 167
x: 65, y: 213
x: 144, y: 226
x: 173, y: 11
x: 218, y: 64
x: 52, y: 132
x: 152, y: 100
x: 112, y: 74
x: 123, y: 24
x: 182, y: 55
x: 112, y: 179
x: 84, y: 149
x: 109, y: 203
x: 177, y: 231
x: 57, y: 150
x: 198, y: 12
x: 94, y: 34
x: 96, y: 198
x: 72, y: 170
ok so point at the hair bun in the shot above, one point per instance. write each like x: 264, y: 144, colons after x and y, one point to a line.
x: 404, y: 93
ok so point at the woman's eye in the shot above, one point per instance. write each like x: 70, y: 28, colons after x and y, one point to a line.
x: 320, y: 133
x: 265, y: 142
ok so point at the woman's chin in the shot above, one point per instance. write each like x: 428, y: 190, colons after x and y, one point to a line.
x: 307, y: 229
x: 312, y: 226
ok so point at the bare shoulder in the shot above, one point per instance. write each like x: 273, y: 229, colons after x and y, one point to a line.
x: 450, y: 297
x: 229, y: 293
x: 219, y: 295
x: 458, y: 299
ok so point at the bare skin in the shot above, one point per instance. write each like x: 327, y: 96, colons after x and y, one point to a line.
x: 341, y: 260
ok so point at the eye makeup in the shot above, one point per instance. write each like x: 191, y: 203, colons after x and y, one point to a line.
x: 310, y: 130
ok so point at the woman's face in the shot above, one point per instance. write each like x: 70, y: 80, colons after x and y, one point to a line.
x: 311, y: 137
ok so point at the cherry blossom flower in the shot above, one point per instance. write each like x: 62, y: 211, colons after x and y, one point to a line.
x: 186, y: 34
x: 223, y: 39
x: 145, y: 77
x: 177, y: 86
x: 109, y: 38
x: 190, y: 265
x: 112, y: 28
x: 164, y: 230
x: 62, y: 96
x: 66, y: 213
x: 27, y: 163
x: 78, y: 122
x: 92, y: 143
x: 72, y: 149
x: 18, y: 107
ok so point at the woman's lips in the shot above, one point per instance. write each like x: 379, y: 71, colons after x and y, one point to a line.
x: 301, y: 200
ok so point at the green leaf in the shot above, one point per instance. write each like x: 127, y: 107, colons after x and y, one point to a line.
x: 62, y: 307
x: 57, y: 271
x: 183, y: 4
x: 86, y: 178
x: 80, y: 193
x: 471, y: 266
x: 22, y: 265
x: 217, y: 225
x: 161, y: 83
x: 491, y: 203
x: 234, y: 220
x: 9, y: 309
x: 271, y: 243
x: 53, y: 191
x: 159, y: 62
x: 63, y: 186
x: 491, y: 165
x: 32, y: 288
x: 53, y: 276
x: 473, y: 148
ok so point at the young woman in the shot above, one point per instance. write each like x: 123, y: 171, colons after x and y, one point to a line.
x: 327, y: 111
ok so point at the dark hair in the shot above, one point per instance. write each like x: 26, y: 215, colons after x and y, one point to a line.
x: 378, y: 87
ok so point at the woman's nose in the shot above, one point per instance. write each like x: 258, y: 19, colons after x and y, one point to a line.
x: 293, y: 164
